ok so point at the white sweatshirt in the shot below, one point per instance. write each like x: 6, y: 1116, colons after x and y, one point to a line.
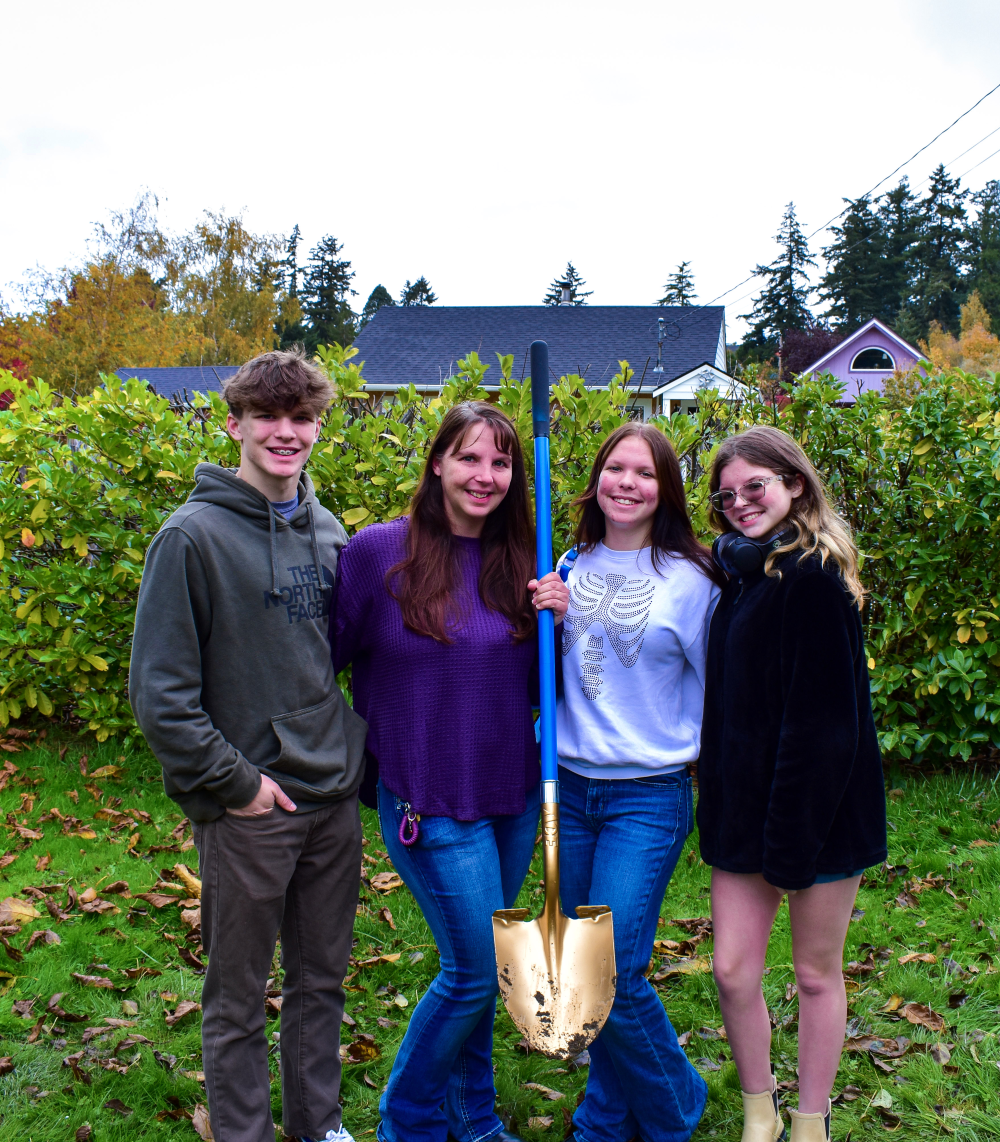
x: 634, y: 645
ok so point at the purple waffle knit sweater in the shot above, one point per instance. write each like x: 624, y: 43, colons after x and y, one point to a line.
x: 451, y: 725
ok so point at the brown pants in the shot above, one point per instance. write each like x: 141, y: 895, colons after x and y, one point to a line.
x: 297, y: 874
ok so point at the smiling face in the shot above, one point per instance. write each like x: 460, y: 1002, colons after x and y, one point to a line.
x: 274, y: 447
x: 474, y: 479
x: 759, y: 520
x: 628, y: 493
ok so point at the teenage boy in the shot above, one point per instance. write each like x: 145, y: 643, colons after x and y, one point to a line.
x: 232, y: 684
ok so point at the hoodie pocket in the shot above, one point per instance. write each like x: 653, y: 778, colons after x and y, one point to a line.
x: 322, y: 746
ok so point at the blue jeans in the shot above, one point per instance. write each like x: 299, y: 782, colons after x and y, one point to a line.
x: 459, y: 872
x: 619, y: 841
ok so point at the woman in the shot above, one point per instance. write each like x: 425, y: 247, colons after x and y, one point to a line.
x: 791, y: 798
x: 628, y: 726
x: 434, y: 611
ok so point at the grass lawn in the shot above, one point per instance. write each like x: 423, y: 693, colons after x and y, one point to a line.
x: 119, y: 1058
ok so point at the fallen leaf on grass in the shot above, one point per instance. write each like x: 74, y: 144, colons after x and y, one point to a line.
x: 849, y: 1094
x: 197, y: 1076
x: 387, y: 881
x: 386, y: 915
x: 684, y: 1039
x: 43, y: 862
x: 119, y: 1106
x: 8, y: 858
x: 547, y: 1091
x: 188, y: 879
x: 73, y: 1062
x: 6, y: 1065
x: 273, y: 1005
x: 42, y: 936
x: 168, y: 1062
x: 92, y: 980
x: 139, y: 973
x: 54, y: 1009
x: 981, y: 844
x: 157, y: 899
x: 919, y: 1013
x: 13, y: 953
x: 191, y: 917
x: 689, y: 966
x: 15, y: 911
x: 84, y: 1133
x: 22, y: 1008
x: 940, y: 1053
x: 37, y: 1029
x: 199, y: 1120
x: 185, y: 1007
x: 918, y: 957
x: 106, y: 771
x: 894, y: 1003
x: 363, y: 1049
x: 119, y: 888
x: 100, y: 908
x: 907, y: 900
x: 541, y: 1122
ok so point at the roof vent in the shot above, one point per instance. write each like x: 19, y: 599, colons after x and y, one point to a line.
x: 566, y: 298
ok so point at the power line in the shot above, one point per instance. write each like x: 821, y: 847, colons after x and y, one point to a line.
x: 909, y: 160
x: 827, y: 225
x: 980, y: 163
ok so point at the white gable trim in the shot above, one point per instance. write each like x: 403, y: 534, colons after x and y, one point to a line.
x: 859, y: 335
x: 689, y: 384
x: 720, y: 352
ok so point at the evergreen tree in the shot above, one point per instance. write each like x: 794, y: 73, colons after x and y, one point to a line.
x: 577, y: 295
x: 852, y: 282
x: 291, y: 263
x: 417, y: 293
x: 379, y: 297
x: 679, y: 289
x: 942, y: 252
x: 290, y: 328
x: 326, y: 286
x: 899, y: 213
x: 783, y: 303
x: 986, y: 247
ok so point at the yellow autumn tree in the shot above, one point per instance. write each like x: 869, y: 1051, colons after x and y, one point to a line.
x: 228, y: 281
x: 212, y: 296
x: 976, y: 350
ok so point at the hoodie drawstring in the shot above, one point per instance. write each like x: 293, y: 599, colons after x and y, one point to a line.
x: 272, y: 517
x: 324, y: 586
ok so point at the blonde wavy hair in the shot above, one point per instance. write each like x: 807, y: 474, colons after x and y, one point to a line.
x: 819, y: 530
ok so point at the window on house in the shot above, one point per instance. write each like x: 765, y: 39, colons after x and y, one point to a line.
x: 873, y: 359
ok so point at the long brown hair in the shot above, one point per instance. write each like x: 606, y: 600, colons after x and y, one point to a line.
x: 818, y: 528
x: 424, y: 582
x: 670, y: 531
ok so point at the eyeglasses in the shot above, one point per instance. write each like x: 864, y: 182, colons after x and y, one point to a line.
x: 752, y: 492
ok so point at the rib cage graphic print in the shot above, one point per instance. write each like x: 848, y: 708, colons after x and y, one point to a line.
x: 621, y: 606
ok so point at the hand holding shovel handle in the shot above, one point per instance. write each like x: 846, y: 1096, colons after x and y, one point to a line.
x: 557, y: 975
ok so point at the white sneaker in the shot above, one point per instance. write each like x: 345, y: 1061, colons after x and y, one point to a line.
x: 340, y: 1135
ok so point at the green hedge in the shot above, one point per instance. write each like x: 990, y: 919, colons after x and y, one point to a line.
x: 85, y: 486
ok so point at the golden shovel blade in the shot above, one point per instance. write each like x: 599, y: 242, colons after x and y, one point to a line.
x: 557, y: 975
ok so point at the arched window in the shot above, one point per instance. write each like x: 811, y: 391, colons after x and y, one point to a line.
x: 874, y: 360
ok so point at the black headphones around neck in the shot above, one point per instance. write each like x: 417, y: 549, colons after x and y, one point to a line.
x: 740, y: 555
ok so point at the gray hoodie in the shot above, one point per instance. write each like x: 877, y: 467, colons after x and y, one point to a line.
x: 231, y: 674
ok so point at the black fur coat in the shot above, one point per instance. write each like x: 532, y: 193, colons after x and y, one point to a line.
x: 790, y: 775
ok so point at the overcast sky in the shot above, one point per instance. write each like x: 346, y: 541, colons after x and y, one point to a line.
x: 486, y: 145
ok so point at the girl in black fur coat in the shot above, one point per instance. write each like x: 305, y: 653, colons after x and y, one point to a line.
x: 791, y: 797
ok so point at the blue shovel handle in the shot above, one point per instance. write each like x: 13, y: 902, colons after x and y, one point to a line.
x: 543, y: 556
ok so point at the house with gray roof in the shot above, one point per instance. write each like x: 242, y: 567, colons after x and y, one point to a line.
x: 182, y: 382
x: 674, y: 350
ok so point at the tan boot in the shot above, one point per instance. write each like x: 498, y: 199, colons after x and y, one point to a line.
x: 811, y: 1127
x: 762, y: 1121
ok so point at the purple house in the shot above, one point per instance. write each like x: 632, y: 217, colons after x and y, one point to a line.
x: 863, y: 360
